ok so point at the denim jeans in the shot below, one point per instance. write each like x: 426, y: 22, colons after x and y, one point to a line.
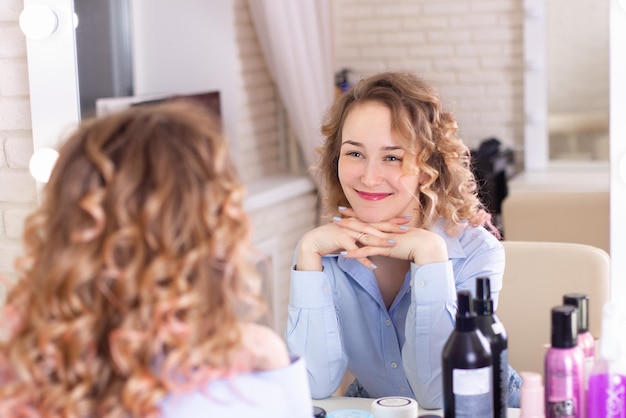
x: 356, y: 390
x: 515, y: 383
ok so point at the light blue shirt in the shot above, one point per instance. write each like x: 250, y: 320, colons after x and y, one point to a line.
x: 338, y: 320
x: 280, y: 393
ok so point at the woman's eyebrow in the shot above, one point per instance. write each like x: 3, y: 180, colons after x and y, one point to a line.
x: 386, y: 148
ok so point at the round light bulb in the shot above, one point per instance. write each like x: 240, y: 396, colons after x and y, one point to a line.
x: 38, y: 21
x: 41, y: 164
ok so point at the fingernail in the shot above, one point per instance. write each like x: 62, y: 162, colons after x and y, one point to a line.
x: 391, y: 241
x: 373, y: 266
x: 404, y: 227
x: 344, y: 253
x: 341, y: 208
x: 408, y: 217
x: 336, y: 218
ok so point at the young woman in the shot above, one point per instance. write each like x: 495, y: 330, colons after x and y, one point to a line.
x: 135, y: 297
x: 374, y: 291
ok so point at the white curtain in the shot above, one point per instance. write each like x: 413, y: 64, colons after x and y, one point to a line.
x: 296, y: 40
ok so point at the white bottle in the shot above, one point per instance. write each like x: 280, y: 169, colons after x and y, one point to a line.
x: 606, y: 397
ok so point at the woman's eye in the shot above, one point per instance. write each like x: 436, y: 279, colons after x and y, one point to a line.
x: 392, y: 158
x: 354, y: 154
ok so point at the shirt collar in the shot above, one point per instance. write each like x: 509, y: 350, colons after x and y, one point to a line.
x: 455, y: 249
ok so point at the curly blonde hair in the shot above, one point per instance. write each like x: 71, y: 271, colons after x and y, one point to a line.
x: 428, y: 134
x: 135, y: 265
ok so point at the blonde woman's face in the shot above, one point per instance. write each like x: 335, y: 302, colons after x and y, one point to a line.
x: 370, y: 166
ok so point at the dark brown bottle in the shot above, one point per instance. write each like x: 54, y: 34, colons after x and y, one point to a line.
x: 467, y: 366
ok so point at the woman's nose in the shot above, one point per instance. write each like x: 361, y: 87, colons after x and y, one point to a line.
x: 371, y: 174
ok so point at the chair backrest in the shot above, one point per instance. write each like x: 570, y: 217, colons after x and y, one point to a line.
x: 574, y: 216
x: 536, y: 276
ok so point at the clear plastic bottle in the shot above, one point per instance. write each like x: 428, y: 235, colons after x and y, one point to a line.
x: 493, y: 330
x: 467, y: 366
x: 564, y: 367
x: 606, y: 396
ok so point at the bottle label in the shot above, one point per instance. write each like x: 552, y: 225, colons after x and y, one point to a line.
x: 564, y: 383
x: 562, y: 408
x: 607, y: 396
x: 562, y: 401
x: 504, y: 379
x: 472, y: 392
x: 497, y: 328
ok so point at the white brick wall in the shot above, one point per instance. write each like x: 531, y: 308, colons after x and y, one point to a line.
x: 17, y: 188
x: 258, y: 124
x: 470, y: 49
x: 259, y: 129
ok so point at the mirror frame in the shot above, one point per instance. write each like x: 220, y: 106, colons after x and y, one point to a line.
x: 52, y: 77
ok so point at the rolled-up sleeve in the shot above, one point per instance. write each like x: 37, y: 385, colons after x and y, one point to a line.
x: 430, y: 321
x: 313, y: 331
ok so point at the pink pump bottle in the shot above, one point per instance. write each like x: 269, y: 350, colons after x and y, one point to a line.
x: 564, y: 390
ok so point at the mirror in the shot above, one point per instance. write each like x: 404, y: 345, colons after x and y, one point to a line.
x: 103, y: 51
x: 566, y: 88
x: 133, y: 48
x: 578, y: 80
x: 221, y: 11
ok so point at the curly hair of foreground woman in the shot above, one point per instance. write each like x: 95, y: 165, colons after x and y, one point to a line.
x: 136, y: 277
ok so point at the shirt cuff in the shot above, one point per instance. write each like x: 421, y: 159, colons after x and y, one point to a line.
x: 309, y: 289
x: 433, y: 282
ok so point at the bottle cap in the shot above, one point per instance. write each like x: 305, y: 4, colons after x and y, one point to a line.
x: 465, y: 316
x: 581, y: 301
x: 483, y: 304
x: 564, y: 326
x: 319, y: 412
x: 532, y: 401
x: 394, y: 407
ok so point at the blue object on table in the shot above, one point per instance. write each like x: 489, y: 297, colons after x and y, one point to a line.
x: 350, y: 413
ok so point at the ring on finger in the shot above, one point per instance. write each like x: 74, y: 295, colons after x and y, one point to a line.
x: 360, y: 235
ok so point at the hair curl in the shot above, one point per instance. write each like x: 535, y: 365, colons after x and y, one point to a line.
x: 427, y: 133
x: 135, y: 265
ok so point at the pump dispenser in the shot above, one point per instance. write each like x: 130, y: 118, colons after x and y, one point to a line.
x: 606, y: 397
x: 467, y: 366
x: 564, y: 367
x: 493, y: 330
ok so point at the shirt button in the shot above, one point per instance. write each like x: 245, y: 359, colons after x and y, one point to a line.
x: 394, y: 365
x: 326, y: 289
x: 421, y: 284
x: 403, y: 390
x: 388, y: 322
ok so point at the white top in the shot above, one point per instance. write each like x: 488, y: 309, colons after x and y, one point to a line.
x: 281, y: 393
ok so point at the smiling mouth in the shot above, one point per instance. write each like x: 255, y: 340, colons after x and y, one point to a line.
x: 372, y: 196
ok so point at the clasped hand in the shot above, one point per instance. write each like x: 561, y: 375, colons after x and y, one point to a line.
x: 360, y: 240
